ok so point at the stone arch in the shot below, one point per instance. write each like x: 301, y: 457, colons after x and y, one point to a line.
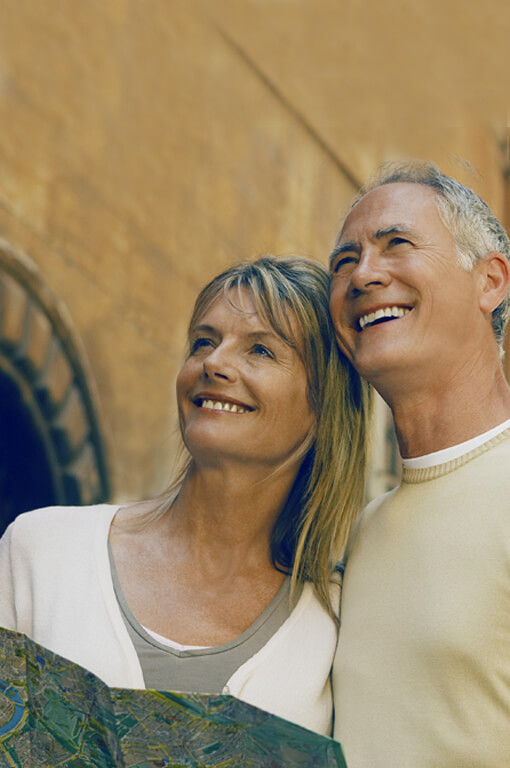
x: 51, y: 445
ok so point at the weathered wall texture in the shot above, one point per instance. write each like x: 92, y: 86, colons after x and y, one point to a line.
x: 146, y: 144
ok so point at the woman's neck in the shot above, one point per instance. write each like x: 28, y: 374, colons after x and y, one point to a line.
x: 227, y: 515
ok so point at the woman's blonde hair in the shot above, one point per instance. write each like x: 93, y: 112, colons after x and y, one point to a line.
x: 291, y: 295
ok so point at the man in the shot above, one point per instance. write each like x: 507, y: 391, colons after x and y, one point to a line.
x: 420, y: 276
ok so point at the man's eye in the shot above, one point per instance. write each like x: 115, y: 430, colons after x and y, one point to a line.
x: 397, y: 241
x: 343, y: 262
x: 261, y: 349
x: 201, y: 341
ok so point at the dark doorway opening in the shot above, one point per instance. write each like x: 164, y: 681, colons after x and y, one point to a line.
x: 26, y: 475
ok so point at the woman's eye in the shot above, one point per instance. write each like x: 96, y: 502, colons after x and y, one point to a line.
x: 201, y: 341
x: 261, y: 349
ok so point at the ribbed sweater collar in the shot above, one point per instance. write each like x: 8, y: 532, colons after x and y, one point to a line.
x: 412, y: 476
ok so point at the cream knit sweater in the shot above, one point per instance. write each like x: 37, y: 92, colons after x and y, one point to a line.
x: 422, y: 671
x: 56, y: 587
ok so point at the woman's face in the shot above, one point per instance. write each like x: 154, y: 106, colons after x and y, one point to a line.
x: 242, y: 392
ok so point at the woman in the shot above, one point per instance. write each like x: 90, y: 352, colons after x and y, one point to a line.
x: 224, y: 582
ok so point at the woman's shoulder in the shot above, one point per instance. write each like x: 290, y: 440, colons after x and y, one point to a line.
x: 56, y: 520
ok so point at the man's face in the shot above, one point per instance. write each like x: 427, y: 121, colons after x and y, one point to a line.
x: 400, y: 300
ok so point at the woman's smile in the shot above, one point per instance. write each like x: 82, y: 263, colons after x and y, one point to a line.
x: 217, y: 403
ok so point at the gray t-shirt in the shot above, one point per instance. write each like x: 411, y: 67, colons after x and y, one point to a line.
x: 204, y: 670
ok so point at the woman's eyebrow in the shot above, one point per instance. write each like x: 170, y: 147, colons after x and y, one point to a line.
x: 203, y: 328
x: 267, y: 336
x: 261, y: 334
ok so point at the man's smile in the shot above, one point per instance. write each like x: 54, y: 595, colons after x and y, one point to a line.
x: 380, y: 315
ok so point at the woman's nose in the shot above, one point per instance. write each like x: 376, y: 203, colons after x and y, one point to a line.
x: 220, y: 364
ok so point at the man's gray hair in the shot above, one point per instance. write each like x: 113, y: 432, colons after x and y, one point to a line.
x: 470, y: 221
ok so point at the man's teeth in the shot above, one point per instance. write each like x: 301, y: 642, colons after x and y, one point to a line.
x: 372, y: 317
x: 218, y: 405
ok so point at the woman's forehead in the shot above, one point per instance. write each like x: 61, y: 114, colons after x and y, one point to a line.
x: 243, y: 301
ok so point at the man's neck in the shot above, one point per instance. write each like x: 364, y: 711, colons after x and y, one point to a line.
x: 426, y: 422
x: 455, y: 451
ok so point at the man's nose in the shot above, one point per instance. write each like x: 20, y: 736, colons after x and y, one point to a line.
x: 371, y: 270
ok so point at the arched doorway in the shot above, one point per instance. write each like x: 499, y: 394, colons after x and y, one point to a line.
x: 51, y: 446
x: 26, y: 476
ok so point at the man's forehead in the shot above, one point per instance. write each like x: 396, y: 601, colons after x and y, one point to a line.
x: 389, y: 208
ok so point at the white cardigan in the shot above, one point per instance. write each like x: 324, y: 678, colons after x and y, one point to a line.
x: 56, y: 587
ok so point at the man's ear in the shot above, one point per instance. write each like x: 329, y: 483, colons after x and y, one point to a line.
x: 494, y: 272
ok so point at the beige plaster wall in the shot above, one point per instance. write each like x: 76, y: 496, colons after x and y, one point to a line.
x: 146, y: 144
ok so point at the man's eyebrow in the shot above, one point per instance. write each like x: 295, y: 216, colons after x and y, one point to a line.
x: 349, y: 247
x: 353, y: 246
x: 393, y: 229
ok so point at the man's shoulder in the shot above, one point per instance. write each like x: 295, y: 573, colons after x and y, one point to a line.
x: 372, y: 506
x: 364, y: 519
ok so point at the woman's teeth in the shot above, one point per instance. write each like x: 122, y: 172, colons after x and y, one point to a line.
x: 218, y: 405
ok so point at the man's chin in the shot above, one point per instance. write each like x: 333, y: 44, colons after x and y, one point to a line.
x: 381, y: 370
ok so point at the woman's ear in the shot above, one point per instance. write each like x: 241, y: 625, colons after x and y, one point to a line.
x: 494, y: 273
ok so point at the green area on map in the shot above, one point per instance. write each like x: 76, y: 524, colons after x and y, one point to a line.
x: 55, y: 713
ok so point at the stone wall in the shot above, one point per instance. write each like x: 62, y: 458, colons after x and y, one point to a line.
x: 146, y: 144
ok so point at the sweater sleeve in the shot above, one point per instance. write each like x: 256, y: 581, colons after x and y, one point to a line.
x: 19, y: 548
